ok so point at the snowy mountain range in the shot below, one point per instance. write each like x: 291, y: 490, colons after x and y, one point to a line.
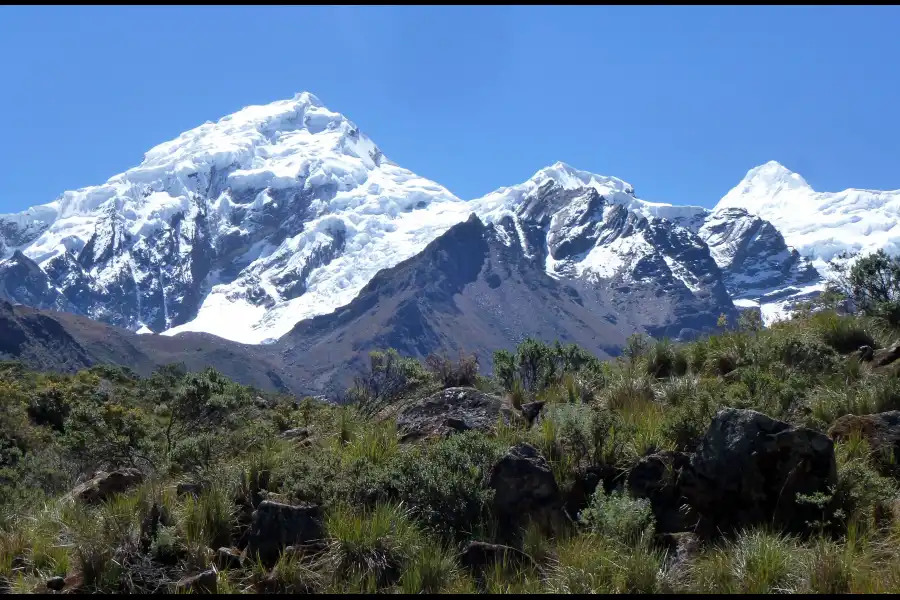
x: 280, y: 213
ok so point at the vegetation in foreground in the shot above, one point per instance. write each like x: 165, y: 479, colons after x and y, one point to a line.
x: 397, y: 516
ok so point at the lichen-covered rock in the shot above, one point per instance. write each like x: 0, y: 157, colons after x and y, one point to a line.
x: 105, y: 485
x: 452, y: 410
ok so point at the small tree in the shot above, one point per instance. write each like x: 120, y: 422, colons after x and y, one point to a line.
x: 871, y: 284
x: 389, y: 377
x: 201, y: 402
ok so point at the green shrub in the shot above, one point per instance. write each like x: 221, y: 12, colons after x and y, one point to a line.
x: 443, y: 485
x: 618, y: 516
x: 464, y: 373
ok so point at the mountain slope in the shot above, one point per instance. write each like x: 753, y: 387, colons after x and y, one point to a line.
x: 256, y: 221
x: 760, y: 268
x: 467, y: 290
x: 50, y: 340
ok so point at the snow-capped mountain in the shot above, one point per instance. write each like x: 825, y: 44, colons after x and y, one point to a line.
x: 279, y: 213
x: 819, y: 225
x: 760, y: 269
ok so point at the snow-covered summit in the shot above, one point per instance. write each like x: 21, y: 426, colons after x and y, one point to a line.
x: 614, y: 190
x: 819, y: 225
x: 236, y: 224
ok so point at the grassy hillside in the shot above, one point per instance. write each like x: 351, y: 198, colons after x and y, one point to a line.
x: 398, y: 515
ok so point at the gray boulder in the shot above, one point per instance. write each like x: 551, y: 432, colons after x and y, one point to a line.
x: 452, y: 410
x: 749, y: 469
x: 524, y: 487
x: 105, y: 485
x: 275, y: 526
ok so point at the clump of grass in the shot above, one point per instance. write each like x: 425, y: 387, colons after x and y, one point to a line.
x: 431, y: 570
x: 374, y: 444
x: 518, y: 395
x: 290, y: 575
x: 208, y: 521
x: 595, y: 564
x: 377, y: 542
x: 625, y: 392
x: 757, y: 562
x: 844, y: 334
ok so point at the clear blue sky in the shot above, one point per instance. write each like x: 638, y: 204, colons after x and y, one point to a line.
x: 679, y: 101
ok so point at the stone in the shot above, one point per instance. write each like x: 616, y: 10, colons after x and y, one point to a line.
x: 56, y: 583
x: 298, y: 433
x: 655, y: 478
x: 532, y: 410
x: 864, y: 354
x: 451, y: 411
x: 479, y: 556
x: 275, y: 526
x: 202, y: 583
x: 524, y: 487
x: 189, y: 488
x: 105, y: 485
x: 228, y: 558
x: 885, y: 356
x: 749, y: 469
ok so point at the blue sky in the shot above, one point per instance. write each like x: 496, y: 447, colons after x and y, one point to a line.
x: 678, y: 101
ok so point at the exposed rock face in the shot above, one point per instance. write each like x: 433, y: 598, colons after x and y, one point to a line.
x: 749, y: 469
x: 105, y: 485
x: 467, y: 291
x: 524, y: 487
x: 276, y: 526
x: 758, y: 265
x: 453, y: 409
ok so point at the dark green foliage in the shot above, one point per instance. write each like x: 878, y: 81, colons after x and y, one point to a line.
x: 464, y: 373
x: 443, y: 485
x: 108, y: 436
x: 388, y: 378
x: 537, y: 366
x: 50, y: 407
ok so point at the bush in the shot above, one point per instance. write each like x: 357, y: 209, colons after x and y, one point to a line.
x: 443, y: 485
x: 618, y: 516
x: 462, y: 374
x: 50, y: 407
x: 389, y: 377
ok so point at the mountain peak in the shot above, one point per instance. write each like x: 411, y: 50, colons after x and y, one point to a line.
x: 571, y: 178
x: 772, y: 177
x: 307, y: 98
